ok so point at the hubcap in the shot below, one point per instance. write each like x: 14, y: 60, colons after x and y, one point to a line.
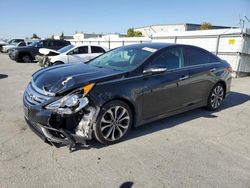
x: 217, y: 97
x: 115, y: 123
x: 26, y: 59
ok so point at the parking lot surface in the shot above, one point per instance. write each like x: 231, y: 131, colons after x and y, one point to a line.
x: 193, y: 149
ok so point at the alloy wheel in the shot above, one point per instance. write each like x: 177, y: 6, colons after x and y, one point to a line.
x: 217, y: 96
x: 115, y: 123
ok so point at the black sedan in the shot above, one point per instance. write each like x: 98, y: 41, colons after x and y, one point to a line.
x: 125, y: 87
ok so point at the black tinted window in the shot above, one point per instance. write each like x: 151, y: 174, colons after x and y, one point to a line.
x: 171, y: 59
x: 42, y: 44
x: 97, y: 49
x: 22, y: 44
x: 80, y: 50
x: 62, y: 43
x: 196, y: 56
x: 18, y: 40
x: 51, y: 43
x: 83, y: 50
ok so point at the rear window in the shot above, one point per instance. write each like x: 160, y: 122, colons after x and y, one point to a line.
x: 97, y: 49
x: 196, y: 56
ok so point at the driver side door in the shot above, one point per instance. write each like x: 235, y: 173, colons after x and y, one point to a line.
x: 79, y: 54
x: 162, y: 91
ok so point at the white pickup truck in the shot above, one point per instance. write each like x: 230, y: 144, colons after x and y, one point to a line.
x: 69, y: 54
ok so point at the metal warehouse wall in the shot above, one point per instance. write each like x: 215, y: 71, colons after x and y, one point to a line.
x: 233, y: 45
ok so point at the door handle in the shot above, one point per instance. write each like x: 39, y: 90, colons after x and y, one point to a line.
x: 184, y: 77
x: 212, y: 69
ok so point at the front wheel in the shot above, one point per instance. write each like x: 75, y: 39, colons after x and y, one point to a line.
x: 26, y: 59
x: 216, y: 97
x: 113, y: 123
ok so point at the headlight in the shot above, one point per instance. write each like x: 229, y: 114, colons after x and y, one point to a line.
x: 71, y: 103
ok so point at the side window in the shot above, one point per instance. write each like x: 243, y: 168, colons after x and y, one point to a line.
x: 60, y: 43
x: 213, y: 59
x: 196, y: 56
x: 57, y: 43
x: 42, y: 44
x: 83, y: 50
x: 97, y: 49
x: 79, y: 50
x: 51, y: 43
x: 21, y: 44
x: 171, y: 59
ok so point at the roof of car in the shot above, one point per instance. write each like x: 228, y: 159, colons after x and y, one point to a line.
x: 155, y: 45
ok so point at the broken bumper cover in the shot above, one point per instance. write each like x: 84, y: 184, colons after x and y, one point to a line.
x: 43, y: 61
x: 51, y: 135
x: 39, y: 121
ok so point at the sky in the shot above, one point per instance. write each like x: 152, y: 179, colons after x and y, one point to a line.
x: 22, y: 18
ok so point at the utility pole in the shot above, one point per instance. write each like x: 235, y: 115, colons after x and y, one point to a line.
x: 242, y: 23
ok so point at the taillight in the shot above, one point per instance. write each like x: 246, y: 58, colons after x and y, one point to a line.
x: 229, y: 69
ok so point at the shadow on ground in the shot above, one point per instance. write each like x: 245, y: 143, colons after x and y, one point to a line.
x: 232, y: 100
x: 2, y: 76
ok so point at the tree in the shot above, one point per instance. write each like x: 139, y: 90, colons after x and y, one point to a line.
x: 132, y: 33
x: 62, y: 36
x: 205, y: 26
x: 52, y: 37
x: 34, y: 36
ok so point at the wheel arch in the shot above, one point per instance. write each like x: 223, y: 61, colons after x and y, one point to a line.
x: 128, y: 102
x: 58, y: 62
x: 21, y: 54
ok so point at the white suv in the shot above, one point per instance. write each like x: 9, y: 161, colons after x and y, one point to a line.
x: 70, y: 54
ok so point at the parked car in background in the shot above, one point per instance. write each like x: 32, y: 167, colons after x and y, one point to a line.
x: 2, y: 43
x: 12, y: 42
x: 27, y: 53
x: 69, y: 54
x: 128, y: 86
x: 6, y: 48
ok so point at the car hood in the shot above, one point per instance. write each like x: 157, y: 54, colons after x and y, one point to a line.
x: 61, y: 78
x: 46, y: 51
x: 9, y: 46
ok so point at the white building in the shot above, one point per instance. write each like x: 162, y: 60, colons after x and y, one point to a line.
x: 165, y: 28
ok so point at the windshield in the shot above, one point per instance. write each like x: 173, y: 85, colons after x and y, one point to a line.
x: 124, y: 58
x: 65, y: 49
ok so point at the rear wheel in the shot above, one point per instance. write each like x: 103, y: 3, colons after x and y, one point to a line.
x: 216, y: 97
x: 113, y: 123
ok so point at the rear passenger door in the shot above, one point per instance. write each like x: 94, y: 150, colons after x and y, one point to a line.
x: 78, y: 54
x: 199, y: 83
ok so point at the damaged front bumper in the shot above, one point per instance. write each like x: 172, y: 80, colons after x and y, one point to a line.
x: 55, y: 137
x: 59, y: 129
x: 42, y: 60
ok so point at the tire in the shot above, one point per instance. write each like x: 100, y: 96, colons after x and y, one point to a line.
x: 26, y: 58
x: 216, y: 97
x: 108, y: 130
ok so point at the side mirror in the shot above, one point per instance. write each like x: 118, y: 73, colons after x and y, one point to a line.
x: 155, y: 70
